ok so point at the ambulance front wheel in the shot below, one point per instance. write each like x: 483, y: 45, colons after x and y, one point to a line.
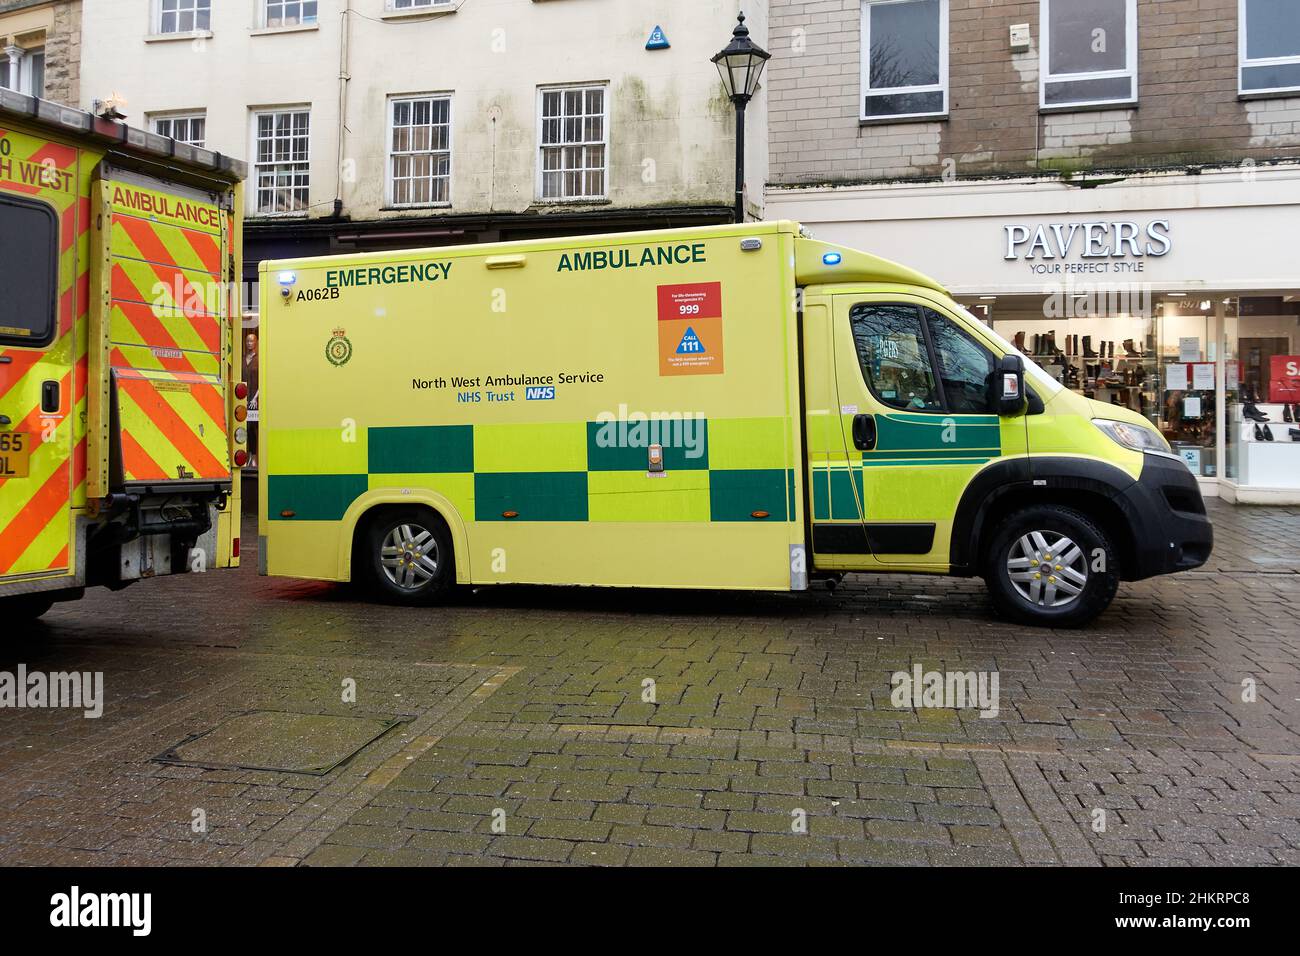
x: 407, y: 556
x: 1051, y: 566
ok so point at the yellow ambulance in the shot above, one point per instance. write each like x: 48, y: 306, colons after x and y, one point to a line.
x: 725, y: 407
x: 121, y: 432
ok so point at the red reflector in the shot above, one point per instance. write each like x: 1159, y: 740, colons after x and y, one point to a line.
x: 241, y: 390
x: 241, y: 458
x: 234, y: 548
x: 510, y: 514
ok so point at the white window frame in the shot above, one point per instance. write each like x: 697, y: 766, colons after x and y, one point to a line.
x: 20, y: 62
x: 264, y: 17
x: 410, y: 6
x: 603, y: 86
x: 254, y: 166
x: 157, y: 16
x: 1243, y: 61
x: 1044, y: 59
x: 389, y: 182
x: 865, y: 68
x: 190, y: 115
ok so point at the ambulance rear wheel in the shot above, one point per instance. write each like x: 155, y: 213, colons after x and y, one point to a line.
x: 1051, y: 566
x: 408, y: 556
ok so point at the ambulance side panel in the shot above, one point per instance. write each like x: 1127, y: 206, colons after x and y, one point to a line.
x: 519, y: 393
x: 42, y: 370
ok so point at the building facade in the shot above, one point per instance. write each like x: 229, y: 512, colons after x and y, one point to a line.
x: 42, y: 48
x: 371, y: 124
x: 1111, y: 184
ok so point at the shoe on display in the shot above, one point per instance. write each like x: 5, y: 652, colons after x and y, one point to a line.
x: 1268, y: 433
x: 1019, y: 341
x: 1294, y: 433
x: 1286, y: 413
x: 1259, y: 435
x: 1249, y: 411
x: 1130, y: 351
x: 1087, y: 348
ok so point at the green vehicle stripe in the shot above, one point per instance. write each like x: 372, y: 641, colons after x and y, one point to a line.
x: 536, y: 496
x: 312, y: 497
x: 735, y: 495
x: 621, y: 446
x: 422, y: 449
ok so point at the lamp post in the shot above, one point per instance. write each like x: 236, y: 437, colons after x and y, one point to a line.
x: 740, y: 65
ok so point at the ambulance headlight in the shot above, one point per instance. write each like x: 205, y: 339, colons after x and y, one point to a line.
x: 1133, y: 437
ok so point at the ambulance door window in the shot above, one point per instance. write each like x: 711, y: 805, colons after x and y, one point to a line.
x: 895, y: 359
x: 29, y: 272
x: 965, y: 366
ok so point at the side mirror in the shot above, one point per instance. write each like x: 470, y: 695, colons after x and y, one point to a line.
x: 1008, y: 396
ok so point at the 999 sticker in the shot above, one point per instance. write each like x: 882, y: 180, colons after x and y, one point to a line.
x: 690, y: 329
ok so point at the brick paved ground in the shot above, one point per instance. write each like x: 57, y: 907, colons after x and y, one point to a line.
x: 526, y: 739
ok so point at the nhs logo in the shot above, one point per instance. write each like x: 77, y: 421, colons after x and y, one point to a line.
x: 539, y: 393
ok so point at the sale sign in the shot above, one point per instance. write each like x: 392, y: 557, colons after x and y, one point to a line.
x: 1284, y: 378
x: 690, y: 329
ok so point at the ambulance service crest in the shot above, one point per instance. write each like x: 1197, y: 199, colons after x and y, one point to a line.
x: 338, y: 349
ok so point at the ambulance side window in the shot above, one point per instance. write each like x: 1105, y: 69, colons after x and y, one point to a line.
x: 895, y: 359
x: 29, y: 272
x: 965, y: 366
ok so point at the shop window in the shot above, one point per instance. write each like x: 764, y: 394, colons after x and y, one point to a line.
x: 28, y: 272
x: 1269, y: 46
x: 892, y: 351
x: 1089, y: 53
x: 904, y: 59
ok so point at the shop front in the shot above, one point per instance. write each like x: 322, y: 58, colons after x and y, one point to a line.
x: 1177, y: 296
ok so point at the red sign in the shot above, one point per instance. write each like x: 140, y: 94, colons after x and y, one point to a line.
x: 700, y: 300
x: 1284, y: 378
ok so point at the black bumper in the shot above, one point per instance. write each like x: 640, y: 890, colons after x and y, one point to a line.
x: 1166, y: 514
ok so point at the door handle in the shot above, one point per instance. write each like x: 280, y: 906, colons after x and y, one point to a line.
x: 864, y: 432
x: 50, y: 399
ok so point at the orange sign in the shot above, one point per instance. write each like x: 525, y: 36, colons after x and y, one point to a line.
x: 690, y: 329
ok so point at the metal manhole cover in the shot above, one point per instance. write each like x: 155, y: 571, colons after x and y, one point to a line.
x: 275, y: 740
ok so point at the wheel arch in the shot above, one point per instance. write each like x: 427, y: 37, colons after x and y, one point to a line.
x: 372, y: 501
x: 1087, y: 485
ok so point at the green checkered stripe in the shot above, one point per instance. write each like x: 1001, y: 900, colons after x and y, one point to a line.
x: 721, y: 470
x: 904, y: 440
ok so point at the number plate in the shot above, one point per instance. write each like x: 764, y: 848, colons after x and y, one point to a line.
x: 15, y: 454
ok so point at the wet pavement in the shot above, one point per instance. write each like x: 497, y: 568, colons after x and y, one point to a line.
x: 591, y: 727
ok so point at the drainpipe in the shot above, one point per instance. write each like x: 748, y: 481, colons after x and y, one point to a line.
x: 345, y: 27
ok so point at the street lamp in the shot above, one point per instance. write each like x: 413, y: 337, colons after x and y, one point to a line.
x: 741, y: 65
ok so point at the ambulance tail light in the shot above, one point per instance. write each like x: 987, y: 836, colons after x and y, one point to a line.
x: 241, y: 458
x: 241, y: 390
x: 241, y: 413
x: 234, y: 547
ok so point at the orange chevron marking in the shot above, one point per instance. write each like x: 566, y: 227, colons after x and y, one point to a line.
x: 177, y: 431
x: 43, y: 507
